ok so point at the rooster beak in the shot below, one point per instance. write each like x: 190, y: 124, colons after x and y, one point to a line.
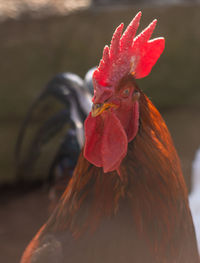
x: 97, y: 109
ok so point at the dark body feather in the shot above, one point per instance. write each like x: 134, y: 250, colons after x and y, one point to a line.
x: 141, y: 217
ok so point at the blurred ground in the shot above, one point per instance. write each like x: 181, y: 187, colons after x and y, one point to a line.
x: 21, y: 215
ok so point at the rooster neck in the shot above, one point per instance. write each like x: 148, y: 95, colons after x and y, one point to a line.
x: 146, y: 214
x: 157, y: 189
x: 150, y: 174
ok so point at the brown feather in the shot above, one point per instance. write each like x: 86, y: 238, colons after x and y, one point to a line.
x: 151, y: 194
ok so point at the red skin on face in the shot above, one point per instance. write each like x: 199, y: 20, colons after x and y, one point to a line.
x: 107, y: 148
x: 108, y: 134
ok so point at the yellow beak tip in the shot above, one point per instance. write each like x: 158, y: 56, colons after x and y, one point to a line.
x: 97, y: 109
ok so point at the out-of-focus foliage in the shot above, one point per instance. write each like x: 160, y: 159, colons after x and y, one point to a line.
x: 160, y: 2
x: 39, y: 8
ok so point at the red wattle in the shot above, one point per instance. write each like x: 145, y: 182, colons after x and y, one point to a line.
x: 93, y: 137
x: 134, y: 122
x: 106, y: 141
x: 114, y: 142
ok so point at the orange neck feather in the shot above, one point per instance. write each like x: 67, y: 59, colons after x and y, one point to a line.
x: 151, y: 159
x: 152, y: 186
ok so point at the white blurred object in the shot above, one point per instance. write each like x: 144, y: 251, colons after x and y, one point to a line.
x: 194, y: 197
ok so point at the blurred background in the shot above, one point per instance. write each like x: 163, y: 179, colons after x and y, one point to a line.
x: 41, y: 38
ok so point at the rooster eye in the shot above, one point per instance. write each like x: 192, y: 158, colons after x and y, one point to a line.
x: 126, y: 92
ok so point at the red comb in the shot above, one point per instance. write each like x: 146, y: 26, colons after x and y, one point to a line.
x: 127, y: 55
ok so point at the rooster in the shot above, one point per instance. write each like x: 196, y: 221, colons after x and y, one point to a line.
x: 127, y: 199
x: 56, y: 116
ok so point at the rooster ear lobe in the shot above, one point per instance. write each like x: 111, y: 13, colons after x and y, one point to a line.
x: 136, y: 96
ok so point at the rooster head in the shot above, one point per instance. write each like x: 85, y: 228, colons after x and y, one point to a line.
x: 114, y: 119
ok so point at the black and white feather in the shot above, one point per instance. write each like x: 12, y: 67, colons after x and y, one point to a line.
x: 52, y: 133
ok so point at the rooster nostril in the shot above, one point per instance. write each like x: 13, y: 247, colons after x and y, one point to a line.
x: 136, y: 96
